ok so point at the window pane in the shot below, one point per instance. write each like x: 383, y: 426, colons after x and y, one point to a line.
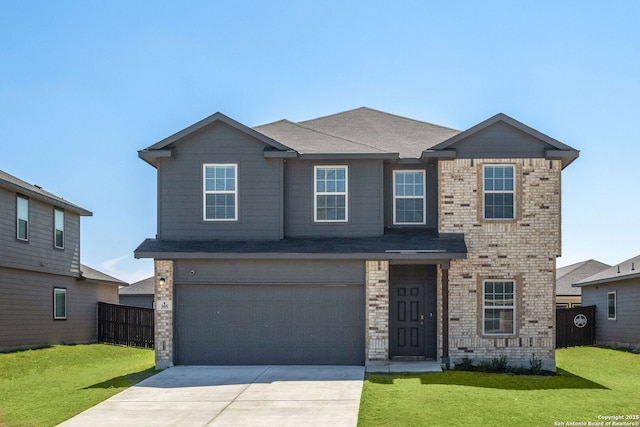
x: 23, y: 218
x: 498, y: 321
x: 611, y: 306
x: 331, y: 208
x: 498, y: 206
x: 60, y: 303
x: 409, y: 211
x: 220, y: 206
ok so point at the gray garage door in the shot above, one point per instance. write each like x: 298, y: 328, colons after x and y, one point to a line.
x: 269, y: 324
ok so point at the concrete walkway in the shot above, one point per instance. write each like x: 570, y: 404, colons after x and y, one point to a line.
x: 235, y: 396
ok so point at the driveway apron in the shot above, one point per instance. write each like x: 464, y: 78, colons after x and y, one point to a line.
x: 235, y: 396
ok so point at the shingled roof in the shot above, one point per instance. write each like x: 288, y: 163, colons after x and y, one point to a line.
x: 35, y: 191
x: 629, y: 269
x: 570, y: 274
x: 358, y: 131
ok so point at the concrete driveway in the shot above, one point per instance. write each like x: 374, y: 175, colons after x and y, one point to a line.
x: 235, y: 396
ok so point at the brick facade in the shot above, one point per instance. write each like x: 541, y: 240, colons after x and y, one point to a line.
x: 164, y: 317
x: 523, y: 250
x: 377, y: 341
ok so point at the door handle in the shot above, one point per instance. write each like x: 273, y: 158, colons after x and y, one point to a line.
x: 421, y: 319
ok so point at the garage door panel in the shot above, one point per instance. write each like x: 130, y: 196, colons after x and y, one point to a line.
x: 287, y: 324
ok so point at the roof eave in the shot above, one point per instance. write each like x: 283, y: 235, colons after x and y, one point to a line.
x: 151, y: 156
x: 212, y: 119
x: 348, y: 156
x: 50, y: 200
x: 408, y: 255
x: 567, y: 156
x: 606, y: 280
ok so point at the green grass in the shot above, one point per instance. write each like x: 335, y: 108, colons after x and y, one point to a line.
x: 47, y: 386
x: 589, y: 382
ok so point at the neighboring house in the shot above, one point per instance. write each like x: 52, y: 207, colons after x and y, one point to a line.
x: 616, y: 294
x: 568, y: 296
x: 355, y: 238
x: 138, y: 294
x: 47, y: 296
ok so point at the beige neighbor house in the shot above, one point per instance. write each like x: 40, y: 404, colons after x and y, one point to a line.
x: 356, y: 238
x: 568, y: 296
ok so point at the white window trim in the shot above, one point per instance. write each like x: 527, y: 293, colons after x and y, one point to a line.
x: 55, y: 292
x: 615, y: 305
x: 424, y: 196
x: 205, y: 192
x: 344, y: 193
x: 19, y: 197
x: 484, y: 191
x: 55, y: 229
x: 512, y: 307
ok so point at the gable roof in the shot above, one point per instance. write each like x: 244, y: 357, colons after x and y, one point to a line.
x: 159, y: 149
x: 361, y: 130
x: 359, y: 133
x: 570, y: 274
x: 143, y: 287
x: 88, y: 273
x: 557, y: 150
x: 15, y: 184
x: 629, y: 269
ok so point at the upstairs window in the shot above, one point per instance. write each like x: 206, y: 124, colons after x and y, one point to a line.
x: 58, y: 228
x: 409, y: 202
x: 22, y: 225
x: 611, y: 305
x: 499, y: 307
x: 330, y: 193
x: 59, y: 303
x: 499, y: 192
x: 220, y: 192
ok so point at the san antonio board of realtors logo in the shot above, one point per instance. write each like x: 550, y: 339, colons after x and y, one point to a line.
x: 580, y: 320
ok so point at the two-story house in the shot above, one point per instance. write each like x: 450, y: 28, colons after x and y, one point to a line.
x: 356, y: 238
x: 47, y: 296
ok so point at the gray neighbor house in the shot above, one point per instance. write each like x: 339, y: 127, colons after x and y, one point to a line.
x: 356, y: 238
x: 616, y: 294
x: 48, y: 297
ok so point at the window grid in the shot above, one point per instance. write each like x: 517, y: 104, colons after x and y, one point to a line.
x: 499, y: 192
x: 220, y: 192
x: 499, y: 308
x: 58, y: 228
x: 409, y: 201
x: 59, y: 303
x: 330, y: 193
x: 22, y: 221
x: 611, y: 305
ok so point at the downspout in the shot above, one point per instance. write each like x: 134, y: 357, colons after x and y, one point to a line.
x: 445, y: 315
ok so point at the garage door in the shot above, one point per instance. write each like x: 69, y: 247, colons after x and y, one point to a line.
x: 269, y: 324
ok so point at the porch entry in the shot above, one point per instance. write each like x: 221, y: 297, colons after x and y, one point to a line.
x: 412, y: 312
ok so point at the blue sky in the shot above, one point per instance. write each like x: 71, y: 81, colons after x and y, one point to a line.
x: 84, y: 85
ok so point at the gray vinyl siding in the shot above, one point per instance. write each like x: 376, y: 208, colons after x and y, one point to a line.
x: 26, y: 318
x: 625, y: 329
x: 265, y: 272
x: 500, y: 141
x: 365, y: 213
x: 431, y: 193
x: 180, y: 187
x: 38, y: 253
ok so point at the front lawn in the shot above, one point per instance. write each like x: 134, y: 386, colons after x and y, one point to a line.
x: 47, y: 386
x: 591, y: 382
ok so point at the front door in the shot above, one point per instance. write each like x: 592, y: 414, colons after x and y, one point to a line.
x: 412, y: 311
x: 407, y: 320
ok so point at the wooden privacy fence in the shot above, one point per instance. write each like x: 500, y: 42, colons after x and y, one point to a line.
x: 124, y: 325
x: 575, y: 326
